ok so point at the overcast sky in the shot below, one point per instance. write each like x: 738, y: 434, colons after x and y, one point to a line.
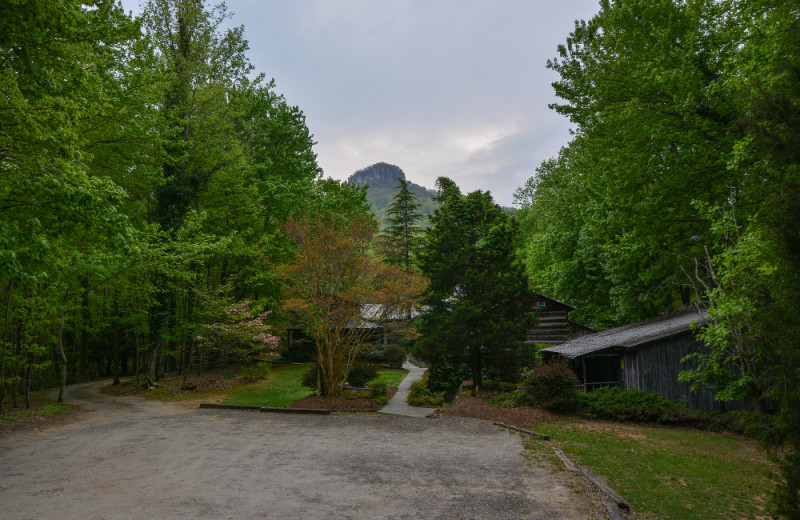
x: 437, y: 87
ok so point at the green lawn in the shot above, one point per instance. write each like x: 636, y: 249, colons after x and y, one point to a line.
x: 281, y: 388
x: 668, y: 473
x: 13, y: 415
x: 390, y: 377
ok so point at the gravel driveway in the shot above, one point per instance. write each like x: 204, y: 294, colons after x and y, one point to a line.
x: 134, y: 458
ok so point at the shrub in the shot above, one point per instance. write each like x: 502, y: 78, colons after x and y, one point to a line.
x: 640, y: 406
x: 420, y: 394
x: 309, y: 379
x: 371, y: 355
x: 506, y: 399
x: 553, y: 386
x: 394, y: 356
x: 361, y: 374
x: 633, y: 405
x: 444, y: 378
x: 256, y: 372
x: 380, y: 393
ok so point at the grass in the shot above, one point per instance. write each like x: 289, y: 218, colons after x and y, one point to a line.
x: 13, y: 415
x: 281, y: 388
x: 668, y: 473
x: 390, y: 377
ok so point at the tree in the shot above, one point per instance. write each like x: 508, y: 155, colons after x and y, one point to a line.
x: 402, y: 233
x: 682, y: 185
x: 476, y: 302
x: 338, y: 291
x: 205, y: 69
x: 654, y: 132
x: 58, y: 214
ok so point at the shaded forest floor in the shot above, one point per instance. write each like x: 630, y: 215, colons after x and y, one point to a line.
x: 44, y: 413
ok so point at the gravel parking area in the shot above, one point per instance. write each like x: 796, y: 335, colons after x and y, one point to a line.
x: 134, y: 458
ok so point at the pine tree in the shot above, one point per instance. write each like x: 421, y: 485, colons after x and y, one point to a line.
x: 402, y: 233
x: 475, y: 305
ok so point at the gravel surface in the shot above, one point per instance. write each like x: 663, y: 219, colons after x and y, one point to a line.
x: 133, y: 458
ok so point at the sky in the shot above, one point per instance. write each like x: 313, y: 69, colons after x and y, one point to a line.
x: 455, y: 88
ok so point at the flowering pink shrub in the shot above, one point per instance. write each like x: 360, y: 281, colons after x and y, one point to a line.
x: 240, y: 327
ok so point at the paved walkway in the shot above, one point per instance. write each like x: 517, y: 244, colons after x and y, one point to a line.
x: 398, y: 405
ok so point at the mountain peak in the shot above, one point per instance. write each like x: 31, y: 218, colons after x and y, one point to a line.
x: 378, y: 175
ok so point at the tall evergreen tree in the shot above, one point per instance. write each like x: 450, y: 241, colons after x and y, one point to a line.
x: 402, y: 233
x: 476, y: 301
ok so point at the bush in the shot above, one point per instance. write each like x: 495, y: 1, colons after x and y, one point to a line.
x: 394, y: 356
x: 256, y: 372
x: 380, y: 393
x: 371, y: 355
x: 309, y: 379
x: 444, y: 378
x: 553, y: 386
x: 634, y: 405
x: 420, y: 394
x: 640, y: 406
x: 361, y: 374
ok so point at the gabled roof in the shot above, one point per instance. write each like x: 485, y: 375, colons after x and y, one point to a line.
x: 632, y: 335
x: 538, y: 296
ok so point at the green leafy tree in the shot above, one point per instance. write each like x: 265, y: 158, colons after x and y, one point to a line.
x: 654, y: 131
x: 402, y: 232
x: 475, y: 305
x: 59, y: 214
x: 680, y: 107
x: 205, y: 69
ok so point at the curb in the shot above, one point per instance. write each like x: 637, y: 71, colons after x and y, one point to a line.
x: 266, y: 409
x: 615, y: 499
x: 520, y: 430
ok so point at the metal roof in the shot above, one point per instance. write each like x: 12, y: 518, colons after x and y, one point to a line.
x: 632, y: 335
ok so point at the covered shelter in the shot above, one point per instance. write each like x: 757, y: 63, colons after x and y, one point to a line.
x: 647, y: 355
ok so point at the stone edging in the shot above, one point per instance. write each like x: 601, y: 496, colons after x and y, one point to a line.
x: 266, y: 409
x: 616, y: 506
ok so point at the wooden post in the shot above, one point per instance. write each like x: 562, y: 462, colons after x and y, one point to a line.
x: 583, y: 366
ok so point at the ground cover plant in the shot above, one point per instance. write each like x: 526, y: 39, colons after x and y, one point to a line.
x: 391, y: 378
x: 669, y: 473
x: 420, y: 394
x: 282, y: 387
x: 15, y: 415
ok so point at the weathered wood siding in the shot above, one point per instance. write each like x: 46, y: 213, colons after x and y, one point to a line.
x: 654, y: 367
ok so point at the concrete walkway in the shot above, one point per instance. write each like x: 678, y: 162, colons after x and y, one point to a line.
x: 398, y: 405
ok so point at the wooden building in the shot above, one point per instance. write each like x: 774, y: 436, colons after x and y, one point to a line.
x: 644, y: 356
x: 553, y: 325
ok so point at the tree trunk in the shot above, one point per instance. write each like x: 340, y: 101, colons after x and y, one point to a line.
x: 136, y: 366
x: 83, y: 356
x: 115, y: 368
x: 61, y: 353
x: 3, y: 349
x: 27, y: 387
x: 475, y: 362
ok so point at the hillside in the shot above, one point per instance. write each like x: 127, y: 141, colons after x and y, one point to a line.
x: 381, y: 179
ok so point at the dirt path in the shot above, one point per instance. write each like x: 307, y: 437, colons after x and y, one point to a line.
x: 132, y: 458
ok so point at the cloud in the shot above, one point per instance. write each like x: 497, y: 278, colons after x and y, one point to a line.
x: 438, y: 87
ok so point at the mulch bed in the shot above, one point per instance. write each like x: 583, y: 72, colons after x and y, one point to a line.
x: 340, y: 404
x: 526, y: 417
